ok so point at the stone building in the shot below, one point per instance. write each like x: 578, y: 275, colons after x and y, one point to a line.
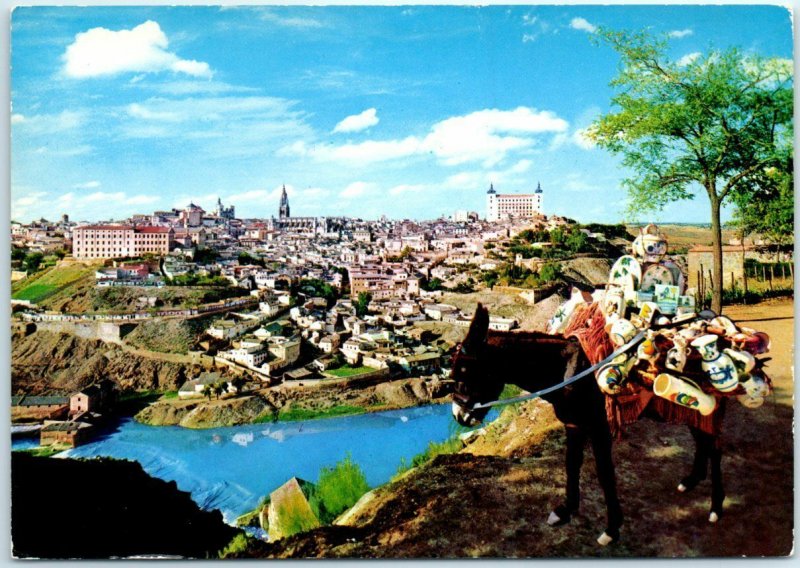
x: 500, y: 206
x: 701, y: 261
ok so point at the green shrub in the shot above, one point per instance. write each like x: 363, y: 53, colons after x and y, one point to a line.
x: 337, y: 490
x: 237, y: 545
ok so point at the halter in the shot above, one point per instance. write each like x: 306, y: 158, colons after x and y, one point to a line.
x: 624, y: 349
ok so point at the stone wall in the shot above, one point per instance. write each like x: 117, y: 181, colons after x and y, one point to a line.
x: 104, y: 331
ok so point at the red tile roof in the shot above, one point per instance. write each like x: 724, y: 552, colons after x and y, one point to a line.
x: 151, y: 229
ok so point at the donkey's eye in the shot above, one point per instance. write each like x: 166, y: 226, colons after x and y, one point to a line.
x: 463, y: 369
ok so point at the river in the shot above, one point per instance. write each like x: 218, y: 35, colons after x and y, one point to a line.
x: 232, y: 468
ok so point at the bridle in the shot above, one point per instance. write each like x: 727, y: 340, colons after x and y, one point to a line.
x: 462, y: 400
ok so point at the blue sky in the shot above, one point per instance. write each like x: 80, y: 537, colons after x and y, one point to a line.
x: 363, y: 111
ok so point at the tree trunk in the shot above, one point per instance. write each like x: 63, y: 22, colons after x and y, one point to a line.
x: 716, y: 244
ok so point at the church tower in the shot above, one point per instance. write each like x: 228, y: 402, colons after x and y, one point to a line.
x: 283, y: 212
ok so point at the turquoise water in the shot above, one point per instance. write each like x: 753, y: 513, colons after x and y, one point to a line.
x: 232, y: 468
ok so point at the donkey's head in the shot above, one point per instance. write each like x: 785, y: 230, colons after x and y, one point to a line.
x: 471, y: 372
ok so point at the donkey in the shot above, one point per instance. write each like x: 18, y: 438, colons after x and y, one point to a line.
x: 486, y: 360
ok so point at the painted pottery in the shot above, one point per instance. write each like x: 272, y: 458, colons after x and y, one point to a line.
x: 756, y: 389
x: 626, y: 273
x: 610, y: 378
x: 622, y: 331
x: 720, y: 369
x: 614, y: 303
x: 744, y: 361
x: 647, y: 350
x: 684, y: 392
x: 655, y: 274
x: 725, y: 323
x: 666, y: 296
x: 676, y: 357
x: 560, y: 319
x: 653, y: 244
x: 647, y: 311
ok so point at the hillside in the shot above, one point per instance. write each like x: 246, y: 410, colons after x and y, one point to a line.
x: 492, y: 499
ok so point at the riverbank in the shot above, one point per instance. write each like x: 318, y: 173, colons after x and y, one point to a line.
x: 292, y: 402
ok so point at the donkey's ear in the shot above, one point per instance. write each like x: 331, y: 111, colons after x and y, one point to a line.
x: 477, y: 329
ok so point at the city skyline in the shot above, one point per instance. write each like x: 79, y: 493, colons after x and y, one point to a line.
x: 119, y: 111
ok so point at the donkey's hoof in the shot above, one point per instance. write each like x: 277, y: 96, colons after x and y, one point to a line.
x: 713, y: 517
x: 605, y: 540
x: 682, y: 488
x: 560, y: 516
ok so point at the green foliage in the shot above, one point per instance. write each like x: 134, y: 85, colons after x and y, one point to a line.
x: 192, y: 279
x: 618, y: 231
x: 17, y: 253
x: 238, y: 382
x: 237, y: 545
x: 432, y: 285
x: 362, y: 303
x: 318, y: 288
x: 32, y: 261
x: 244, y: 259
x: 550, y: 272
x: 337, y: 489
x: 463, y: 288
x: 296, y: 414
x: 205, y: 255
x: 719, y: 124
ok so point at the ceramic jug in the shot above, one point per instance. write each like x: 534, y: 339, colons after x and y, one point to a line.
x: 676, y: 357
x: 744, y: 361
x: 721, y: 371
x: 756, y: 389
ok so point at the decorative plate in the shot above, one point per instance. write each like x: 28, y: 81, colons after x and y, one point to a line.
x: 677, y: 275
x: 624, y: 267
x: 656, y: 274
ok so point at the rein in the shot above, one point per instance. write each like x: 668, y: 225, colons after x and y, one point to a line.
x: 624, y: 349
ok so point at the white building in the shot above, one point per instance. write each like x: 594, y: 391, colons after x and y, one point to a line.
x: 501, y: 206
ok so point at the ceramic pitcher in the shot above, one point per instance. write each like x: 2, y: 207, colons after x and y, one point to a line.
x: 721, y: 371
x: 676, y: 357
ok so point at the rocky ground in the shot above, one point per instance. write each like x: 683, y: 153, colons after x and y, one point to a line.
x: 45, y: 362
x: 266, y: 404
x: 492, y: 499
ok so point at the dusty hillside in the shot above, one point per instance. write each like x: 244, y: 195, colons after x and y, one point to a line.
x: 496, y: 505
x: 51, y: 363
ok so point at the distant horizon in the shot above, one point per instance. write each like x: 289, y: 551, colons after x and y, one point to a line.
x: 356, y: 109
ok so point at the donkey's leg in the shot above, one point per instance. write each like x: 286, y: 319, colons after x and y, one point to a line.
x: 717, y: 489
x: 700, y: 465
x: 601, y: 447
x: 576, y: 440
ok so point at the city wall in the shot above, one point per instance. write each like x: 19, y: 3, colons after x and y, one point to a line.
x: 104, y: 331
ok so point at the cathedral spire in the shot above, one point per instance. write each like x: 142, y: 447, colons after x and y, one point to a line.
x: 283, y: 211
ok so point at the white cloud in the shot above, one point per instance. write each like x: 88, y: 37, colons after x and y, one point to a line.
x: 529, y: 37
x: 143, y: 49
x: 357, y: 189
x: 688, y: 59
x: 358, y: 122
x: 48, y: 123
x: 529, y: 20
x: 583, y: 25
x: 581, y: 139
x: 680, y: 33
x: 87, y: 185
x: 295, y: 22
x: 487, y: 136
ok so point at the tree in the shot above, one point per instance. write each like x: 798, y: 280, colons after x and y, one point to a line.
x: 772, y: 215
x: 220, y: 388
x: 362, y: 303
x: 715, y: 124
x: 32, y: 261
x: 208, y: 390
x: 238, y: 382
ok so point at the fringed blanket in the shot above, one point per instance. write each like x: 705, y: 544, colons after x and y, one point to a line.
x: 587, y: 325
